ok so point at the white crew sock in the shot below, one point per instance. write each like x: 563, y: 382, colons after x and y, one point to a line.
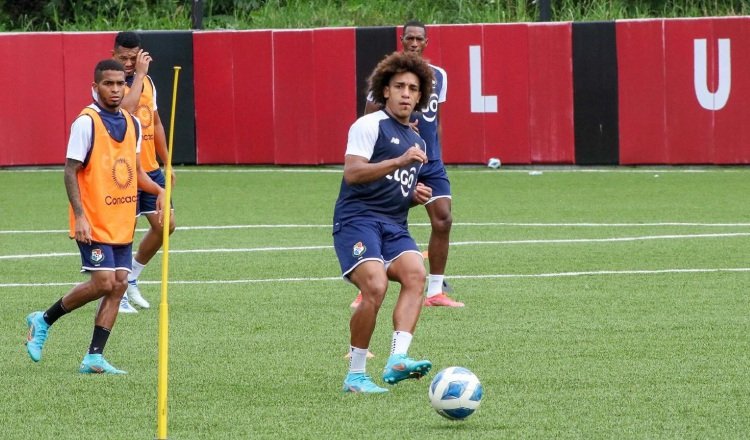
x: 357, y: 360
x: 434, y: 285
x: 401, y: 342
x: 136, y: 270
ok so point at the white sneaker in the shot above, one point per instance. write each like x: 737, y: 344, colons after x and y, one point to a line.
x: 135, y: 295
x: 125, y: 306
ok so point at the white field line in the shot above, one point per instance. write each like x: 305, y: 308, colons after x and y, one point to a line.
x: 487, y: 276
x: 457, y: 243
x: 534, y: 170
x: 327, y: 169
x: 458, y: 224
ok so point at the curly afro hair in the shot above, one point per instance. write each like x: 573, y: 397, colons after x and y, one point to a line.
x: 400, y: 62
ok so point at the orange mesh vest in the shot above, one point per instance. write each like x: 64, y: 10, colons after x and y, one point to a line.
x: 108, y: 184
x: 145, y: 114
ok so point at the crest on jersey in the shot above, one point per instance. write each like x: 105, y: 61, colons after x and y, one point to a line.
x: 122, y: 173
x: 358, y: 249
x: 97, y: 256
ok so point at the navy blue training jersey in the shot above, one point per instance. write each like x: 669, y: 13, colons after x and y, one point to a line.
x: 379, y: 137
x: 115, y: 123
x: 428, y: 123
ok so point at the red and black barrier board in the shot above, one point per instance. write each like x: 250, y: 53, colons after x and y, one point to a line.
x: 656, y: 91
x: 551, y: 135
x: 32, y: 115
x: 234, y: 97
x: 595, y: 92
x: 279, y: 97
x: 35, y: 134
x: 640, y: 55
x: 169, y: 49
x: 372, y: 45
x: 335, y: 98
x: 684, y: 91
x: 504, y: 100
x: 80, y: 51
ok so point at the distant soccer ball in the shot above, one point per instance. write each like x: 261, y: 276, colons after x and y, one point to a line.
x: 455, y: 393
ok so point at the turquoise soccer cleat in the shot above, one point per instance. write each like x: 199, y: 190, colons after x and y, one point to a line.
x: 96, y: 364
x: 37, y: 335
x: 361, y: 383
x: 400, y: 367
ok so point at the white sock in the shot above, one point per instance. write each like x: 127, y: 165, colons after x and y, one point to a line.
x: 401, y: 342
x: 136, y: 270
x: 357, y: 360
x: 434, y: 285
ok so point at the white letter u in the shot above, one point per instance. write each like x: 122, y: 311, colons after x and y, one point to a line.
x: 708, y: 100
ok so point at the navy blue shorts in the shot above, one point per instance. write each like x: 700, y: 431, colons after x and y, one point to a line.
x: 370, y: 240
x: 147, y: 201
x: 433, y: 174
x: 98, y: 256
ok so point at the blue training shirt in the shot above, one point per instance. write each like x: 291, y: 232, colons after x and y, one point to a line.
x: 378, y: 137
x: 428, y: 118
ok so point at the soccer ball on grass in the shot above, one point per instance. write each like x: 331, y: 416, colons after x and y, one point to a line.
x: 455, y: 393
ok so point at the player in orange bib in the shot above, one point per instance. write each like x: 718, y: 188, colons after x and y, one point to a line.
x: 102, y: 178
x: 140, y: 100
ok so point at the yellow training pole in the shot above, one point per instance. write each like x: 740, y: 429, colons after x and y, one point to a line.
x: 161, y: 398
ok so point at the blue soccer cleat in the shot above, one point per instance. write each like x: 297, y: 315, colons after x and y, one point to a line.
x: 361, y: 383
x: 96, y: 364
x: 37, y: 335
x: 400, y: 367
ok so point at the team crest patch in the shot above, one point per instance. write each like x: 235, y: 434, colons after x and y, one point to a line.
x: 97, y: 256
x: 359, y: 249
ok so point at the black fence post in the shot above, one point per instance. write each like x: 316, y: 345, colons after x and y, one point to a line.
x: 197, y: 14
x: 545, y: 10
